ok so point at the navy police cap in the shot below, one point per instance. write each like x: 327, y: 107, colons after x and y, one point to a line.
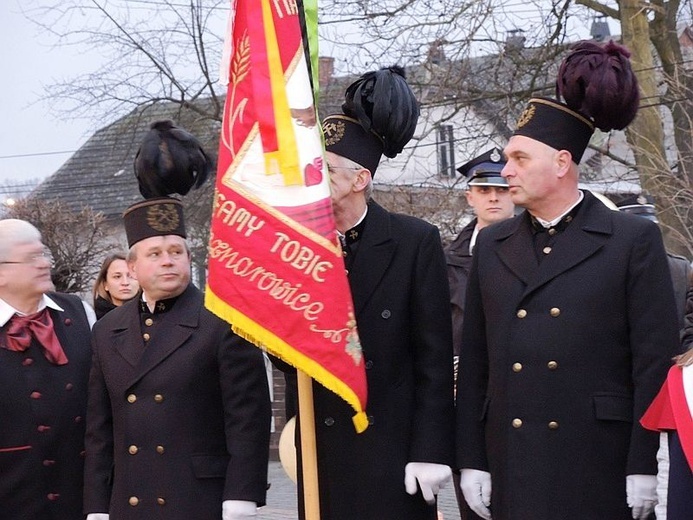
x: 485, y: 170
x: 641, y: 205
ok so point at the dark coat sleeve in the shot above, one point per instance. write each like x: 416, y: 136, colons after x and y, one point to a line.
x: 432, y: 350
x: 247, y: 414
x: 472, y: 379
x: 98, y: 469
x: 653, y: 340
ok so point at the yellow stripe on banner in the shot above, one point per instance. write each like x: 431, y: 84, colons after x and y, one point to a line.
x: 285, y: 159
x: 266, y: 340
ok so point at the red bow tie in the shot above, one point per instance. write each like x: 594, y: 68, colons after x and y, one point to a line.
x: 20, y: 329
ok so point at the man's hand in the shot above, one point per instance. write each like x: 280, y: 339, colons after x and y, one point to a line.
x: 431, y: 478
x: 476, y: 488
x: 641, y: 495
x: 238, y: 510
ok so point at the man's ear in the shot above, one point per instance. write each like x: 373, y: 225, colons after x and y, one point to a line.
x: 564, y: 161
x: 131, y: 268
x: 363, y: 177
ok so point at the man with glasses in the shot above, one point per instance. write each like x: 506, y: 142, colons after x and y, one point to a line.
x: 44, y: 365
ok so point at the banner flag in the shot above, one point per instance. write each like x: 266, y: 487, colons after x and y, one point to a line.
x: 276, y: 271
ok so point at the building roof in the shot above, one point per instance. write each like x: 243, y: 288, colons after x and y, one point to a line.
x: 101, y: 173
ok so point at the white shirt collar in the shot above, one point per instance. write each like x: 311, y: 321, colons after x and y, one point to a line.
x: 357, y: 222
x: 472, y: 241
x: 7, y: 311
x: 550, y: 223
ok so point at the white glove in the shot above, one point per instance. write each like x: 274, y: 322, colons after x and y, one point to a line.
x: 476, y: 488
x: 97, y: 516
x: 431, y: 477
x: 641, y: 494
x: 238, y: 510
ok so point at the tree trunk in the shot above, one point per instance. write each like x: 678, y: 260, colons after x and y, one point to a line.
x: 646, y: 133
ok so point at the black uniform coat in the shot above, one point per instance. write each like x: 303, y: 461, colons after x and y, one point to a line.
x: 178, y: 425
x: 560, y: 360
x: 42, y: 409
x: 459, y: 262
x: 402, y: 306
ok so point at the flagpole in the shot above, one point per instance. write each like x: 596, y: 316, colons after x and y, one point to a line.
x: 309, y: 459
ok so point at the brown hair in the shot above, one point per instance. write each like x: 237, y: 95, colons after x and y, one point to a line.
x: 685, y: 359
x: 101, y: 277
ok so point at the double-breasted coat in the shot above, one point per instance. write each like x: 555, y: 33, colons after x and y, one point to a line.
x: 559, y: 361
x: 42, y: 418
x: 401, y: 300
x: 178, y: 415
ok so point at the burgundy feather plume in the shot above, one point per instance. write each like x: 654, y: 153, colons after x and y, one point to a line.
x: 598, y: 81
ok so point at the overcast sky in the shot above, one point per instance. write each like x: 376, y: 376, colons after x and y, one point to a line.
x: 33, y: 144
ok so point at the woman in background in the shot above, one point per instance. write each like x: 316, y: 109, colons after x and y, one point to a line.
x: 113, y: 285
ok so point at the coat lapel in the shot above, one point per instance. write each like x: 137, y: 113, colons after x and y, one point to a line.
x: 374, y: 257
x: 588, y: 233
x: 515, y: 249
x: 125, y: 333
x: 180, y: 323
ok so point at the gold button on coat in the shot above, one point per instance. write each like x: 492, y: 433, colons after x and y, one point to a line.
x: 517, y: 423
x: 546, y: 250
x: 133, y: 501
x: 522, y: 313
x: 149, y: 322
x: 555, y: 312
x: 158, y: 398
x: 160, y: 501
x: 146, y: 336
x: 517, y: 367
x: 552, y: 365
x: 160, y: 449
x: 552, y: 231
x: 133, y: 450
x: 132, y: 398
x: 553, y: 425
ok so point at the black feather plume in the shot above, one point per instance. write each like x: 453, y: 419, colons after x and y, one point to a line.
x: 383, y: 102
x: 170, y: 160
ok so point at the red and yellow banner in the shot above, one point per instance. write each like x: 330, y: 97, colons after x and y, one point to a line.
x: 276, y: 271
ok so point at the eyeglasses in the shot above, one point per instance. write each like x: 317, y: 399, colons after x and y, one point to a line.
x: 331, y: 168
x: 35, y: 259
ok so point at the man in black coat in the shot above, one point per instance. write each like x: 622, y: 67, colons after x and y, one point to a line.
x: 396, y: 270
x: 179, y: 414
x: 569, y: 329
x: 44, y: 366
